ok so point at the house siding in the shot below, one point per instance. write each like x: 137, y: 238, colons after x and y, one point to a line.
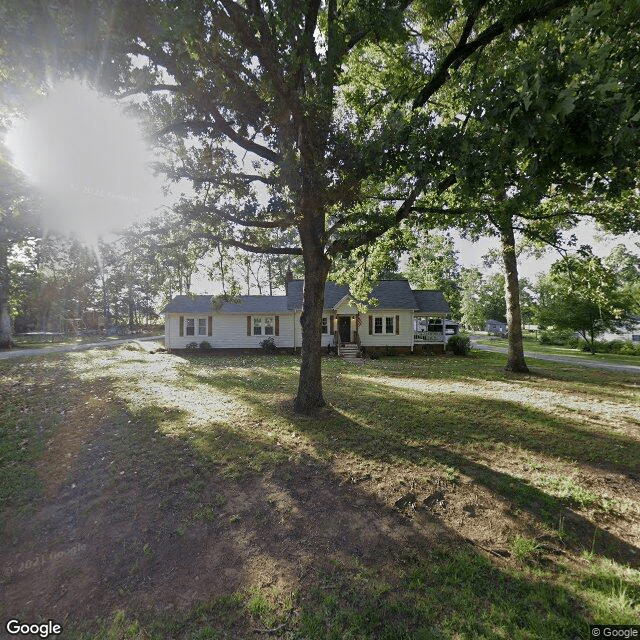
x: 402, y: 339
x: 229, y: 331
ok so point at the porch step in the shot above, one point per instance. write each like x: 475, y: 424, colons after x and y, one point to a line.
x: 350, y: 351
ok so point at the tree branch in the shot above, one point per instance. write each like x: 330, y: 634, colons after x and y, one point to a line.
x: 291, y: 251
x: 464, y: 49
x: 353, y: 242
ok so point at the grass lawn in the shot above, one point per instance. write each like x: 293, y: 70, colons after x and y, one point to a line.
x: 531, y: 345
x: 148, y: 496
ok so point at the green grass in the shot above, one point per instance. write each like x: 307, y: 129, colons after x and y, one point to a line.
x: 531, y: 345
x: 536, y: 452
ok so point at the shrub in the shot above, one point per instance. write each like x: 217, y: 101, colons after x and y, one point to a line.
x: 558, y: 337
x: 459, y: 344
x: 269, y: 345
x: 629, y: 349
x: 192, y: 345
x: 205, y: 345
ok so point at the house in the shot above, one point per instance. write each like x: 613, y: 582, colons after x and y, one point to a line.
x: 629, y: 332
x: 403, y: 320
x: 496, y: 327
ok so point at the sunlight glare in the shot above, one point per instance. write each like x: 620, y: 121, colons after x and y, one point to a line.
x: 88, y: 160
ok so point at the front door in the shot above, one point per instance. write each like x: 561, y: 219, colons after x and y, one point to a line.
x: 344, y: 328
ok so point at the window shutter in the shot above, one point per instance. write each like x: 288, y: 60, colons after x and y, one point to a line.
x: 181, y: 326
x: 248, y: 325
x: 397, y: 325
x: 370, y: 325
x: 210, y: 332
x: 277, y: 329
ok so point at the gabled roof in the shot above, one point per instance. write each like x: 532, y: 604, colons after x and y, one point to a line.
x: 431, y: 300
x: 246, y: 304
x: 333, y: 293
x: 390, y: 294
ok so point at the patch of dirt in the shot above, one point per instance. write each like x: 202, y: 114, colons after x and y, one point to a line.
x: 157, y: 530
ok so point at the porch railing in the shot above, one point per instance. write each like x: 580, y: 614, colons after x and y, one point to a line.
x: 428, y: 336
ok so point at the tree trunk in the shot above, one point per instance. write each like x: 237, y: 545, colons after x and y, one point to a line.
x: 6, y: 338
x: 515, y: 361
x: 316, y: 268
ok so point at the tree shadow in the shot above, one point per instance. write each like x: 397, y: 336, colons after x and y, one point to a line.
x: 162, y: 528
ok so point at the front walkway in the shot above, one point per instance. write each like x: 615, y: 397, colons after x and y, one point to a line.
x: 594, y: 364
x: 43, y: 351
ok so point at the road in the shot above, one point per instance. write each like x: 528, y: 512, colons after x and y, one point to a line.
x: 43, y: 351
x: 594, y: 364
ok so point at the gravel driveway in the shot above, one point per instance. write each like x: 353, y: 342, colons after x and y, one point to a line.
x: 594, y: 364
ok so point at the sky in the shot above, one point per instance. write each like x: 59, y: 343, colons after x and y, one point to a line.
x: 88, y: 160
x: 91, y: 164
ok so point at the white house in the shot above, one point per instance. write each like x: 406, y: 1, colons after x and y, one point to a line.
x: 629, y: 332
x: 403, y: 320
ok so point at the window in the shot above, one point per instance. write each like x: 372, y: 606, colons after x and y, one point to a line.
x: 264, y: 325
x: 635, y: 338
x: 191, y: 327
x: 377, y: 325
x: 202, y: 326
x: 325, y: 325
x: 389, y: 325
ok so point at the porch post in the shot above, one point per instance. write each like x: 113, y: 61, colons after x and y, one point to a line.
x: 444, y: 333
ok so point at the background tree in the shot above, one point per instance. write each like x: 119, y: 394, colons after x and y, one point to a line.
x: 582, y: 294
x: 18, y: 224
x: 433, y: 264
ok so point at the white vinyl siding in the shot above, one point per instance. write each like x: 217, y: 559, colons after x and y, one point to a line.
x: 402, y: 339
x: 230, y: 331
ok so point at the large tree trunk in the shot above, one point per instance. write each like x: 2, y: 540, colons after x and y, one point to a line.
x: 515, y: 361
x: 316, y: 269
x: 6, y: 337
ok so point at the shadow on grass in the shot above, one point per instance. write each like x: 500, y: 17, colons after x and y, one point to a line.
x: 398, y: 428
x: 188, y: 552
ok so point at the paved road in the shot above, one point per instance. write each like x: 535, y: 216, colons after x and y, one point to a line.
x: 594, y: 364
x: 43, y: 351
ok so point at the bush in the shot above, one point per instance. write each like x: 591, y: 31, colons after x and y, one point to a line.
x: 269, y: 345
x: 205, y: 345
x: 558, y: 337
x: 192, y: 345
x: 459, y: 344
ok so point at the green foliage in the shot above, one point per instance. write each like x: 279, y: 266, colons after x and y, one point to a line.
x: 459, y: 344
x: 433, y: 264
x: 583, y: 295
x: 205, y: 345
x: 269, y: 345
x: 560, y: 337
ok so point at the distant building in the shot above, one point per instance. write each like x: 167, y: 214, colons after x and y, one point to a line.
x: 496, y: 327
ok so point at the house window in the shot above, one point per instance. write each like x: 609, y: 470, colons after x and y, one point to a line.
x: 263, y: 325
x: 325, y: 325
x: 635, y: 338
x: 191, y: 326
x: 377, y: 325
x: 202, y: 326
x: 388, y: 325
